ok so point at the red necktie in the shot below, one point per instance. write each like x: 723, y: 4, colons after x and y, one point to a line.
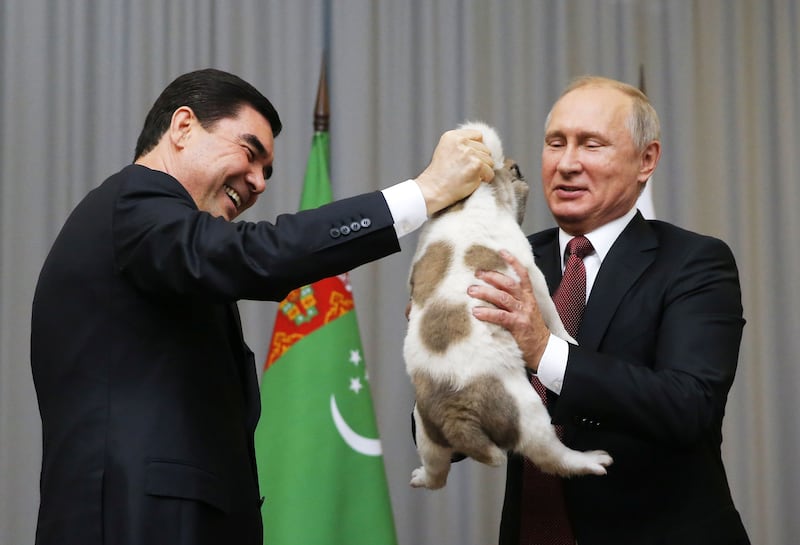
x: 570, y: 297
x: 543, y: 511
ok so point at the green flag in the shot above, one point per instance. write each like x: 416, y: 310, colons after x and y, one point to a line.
x: 319, y: 459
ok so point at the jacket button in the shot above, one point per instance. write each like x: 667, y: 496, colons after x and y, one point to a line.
x: 334, y: 233
x: 366, y: 222
x: 345, y: 230
x: 355, y: 226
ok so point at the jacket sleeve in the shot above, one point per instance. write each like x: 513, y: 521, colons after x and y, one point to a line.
x: 166, y: 246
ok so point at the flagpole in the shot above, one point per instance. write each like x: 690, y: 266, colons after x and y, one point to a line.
x: 317, y: 445
x: 322, y: 107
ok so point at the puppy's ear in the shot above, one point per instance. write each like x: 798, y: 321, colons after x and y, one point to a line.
x: 490, y: 139
x: 521, y: 190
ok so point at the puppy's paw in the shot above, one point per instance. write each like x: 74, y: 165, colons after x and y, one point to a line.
x: 422, y: 479
x: 419, y: 478
x: 493, y: 456
x: 574, y: 462
x: 598, y: 461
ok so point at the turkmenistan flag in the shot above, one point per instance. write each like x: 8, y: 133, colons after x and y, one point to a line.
x: 319, y: 458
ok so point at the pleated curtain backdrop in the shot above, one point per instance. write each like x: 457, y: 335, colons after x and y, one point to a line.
x: 78, y: 78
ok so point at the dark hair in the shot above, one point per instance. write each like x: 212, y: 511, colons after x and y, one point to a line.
x: 212, y: 95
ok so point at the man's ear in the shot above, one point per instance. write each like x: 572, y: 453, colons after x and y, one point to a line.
x: 181, y: 126
x: 649, y: 160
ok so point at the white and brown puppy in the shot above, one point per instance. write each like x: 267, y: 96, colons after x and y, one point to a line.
x: 472, y: 392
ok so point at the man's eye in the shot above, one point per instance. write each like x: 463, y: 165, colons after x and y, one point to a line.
x: 267, y: 172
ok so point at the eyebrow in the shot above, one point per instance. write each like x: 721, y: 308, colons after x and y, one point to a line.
x: 256, y: 143
x: 582, y: 135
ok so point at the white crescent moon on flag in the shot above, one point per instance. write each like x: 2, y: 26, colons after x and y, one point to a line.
x: 359, y: 443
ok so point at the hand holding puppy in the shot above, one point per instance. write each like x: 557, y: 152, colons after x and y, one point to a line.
x: 460, y: 163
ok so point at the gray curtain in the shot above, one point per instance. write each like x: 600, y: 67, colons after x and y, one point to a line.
x: 79, y: 76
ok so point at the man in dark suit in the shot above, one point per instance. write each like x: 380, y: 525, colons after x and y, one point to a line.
x: 147, y: 392
x: 657, y: 345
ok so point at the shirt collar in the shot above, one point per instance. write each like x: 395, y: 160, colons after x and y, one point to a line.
x: 601, y: 238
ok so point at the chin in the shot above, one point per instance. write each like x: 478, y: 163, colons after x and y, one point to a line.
x: 568, y: 215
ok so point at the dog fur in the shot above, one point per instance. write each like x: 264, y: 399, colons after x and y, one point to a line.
x: 472, y: 392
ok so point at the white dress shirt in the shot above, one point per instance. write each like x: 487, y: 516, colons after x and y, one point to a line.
x: 553, y: 365
x: 406, y: 205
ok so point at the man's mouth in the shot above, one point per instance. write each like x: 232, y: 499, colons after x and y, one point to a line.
x: 570, y: 189
x: 234, y: 196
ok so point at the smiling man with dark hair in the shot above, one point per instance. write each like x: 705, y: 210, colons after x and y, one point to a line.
x: 147, y: 392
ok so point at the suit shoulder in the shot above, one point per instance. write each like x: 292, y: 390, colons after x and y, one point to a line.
x: 686, y: 242
x: 139, y: 179
x: 543, y: 237
x: 667, y: 232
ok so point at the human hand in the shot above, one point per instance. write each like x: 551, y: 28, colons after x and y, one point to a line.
x: 515, y: 308
x: 460, y: 163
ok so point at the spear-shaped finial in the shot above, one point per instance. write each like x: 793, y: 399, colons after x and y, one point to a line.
x: 322, y: 110
x: 642, y: 87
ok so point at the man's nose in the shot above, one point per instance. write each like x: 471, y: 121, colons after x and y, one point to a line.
x: 256, y: 181
x: 569, y: 162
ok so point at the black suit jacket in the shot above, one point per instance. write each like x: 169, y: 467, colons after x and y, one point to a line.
x: 648, y: 382
x: 147, y: 391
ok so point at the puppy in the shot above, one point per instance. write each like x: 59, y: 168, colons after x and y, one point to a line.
x: 472, y: 392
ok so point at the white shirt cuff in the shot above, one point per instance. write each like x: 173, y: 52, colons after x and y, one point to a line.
x: 553, y: 365
x: 407, y: 206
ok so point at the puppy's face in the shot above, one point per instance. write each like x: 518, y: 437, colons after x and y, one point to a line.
x: 511, y: 190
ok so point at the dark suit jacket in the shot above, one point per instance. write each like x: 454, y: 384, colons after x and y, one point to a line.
x: 658, y: 349
x: 147, y: 391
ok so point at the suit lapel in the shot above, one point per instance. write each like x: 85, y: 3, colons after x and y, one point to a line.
x: 628, y: 258
x: 546, y: 254
x: 631, y: 254
x: 245, y: 366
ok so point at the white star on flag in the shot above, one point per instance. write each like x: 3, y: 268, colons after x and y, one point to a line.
x: 355, y: 357
x: 355, y: 384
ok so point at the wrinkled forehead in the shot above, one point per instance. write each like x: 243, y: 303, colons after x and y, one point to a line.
x: 591, y: 108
